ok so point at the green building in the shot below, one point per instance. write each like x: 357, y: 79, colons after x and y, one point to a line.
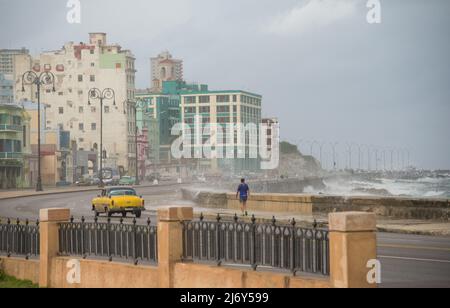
x: 15, y: 148
x: 182, y: 102
x: 159, y: 113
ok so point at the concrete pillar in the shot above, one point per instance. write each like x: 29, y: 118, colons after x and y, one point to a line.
x: 352, y: 244
x: 49, y: 241
x: 170, y: 241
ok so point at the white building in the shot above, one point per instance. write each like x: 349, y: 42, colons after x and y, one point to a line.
x: 77, y: 69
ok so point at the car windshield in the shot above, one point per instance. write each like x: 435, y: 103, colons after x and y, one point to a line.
x: 122, y: 192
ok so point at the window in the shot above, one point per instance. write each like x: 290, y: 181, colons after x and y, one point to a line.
x: 234, y: 98
x: 92, y: 64
x: 80, y: 109
x: 118, y: 65
x: 92, y: 51
x: 223, y: 98
x: 80, y: 78
x: 60, y: 93
x: 205, y: 109
x: 234, y: 109
x: 81, y: 126
x: 92, y: 78
x: 204, y: 99
x: 94, y: 126
x: 61, y: 110
x: 190, y: 100
x: 93, y: 109
x: 223, y: 109
x: 106, y: 109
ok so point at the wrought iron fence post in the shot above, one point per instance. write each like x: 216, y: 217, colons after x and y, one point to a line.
x: 96, y: 235
x: 254, y: 265
x: 17, y: 239
x: 293, y: 261
x: 27, y: 239
x: 8, y: 232
x: 83, y: 250
x: 218, y: 243
x: 135, y: 258
x: 38, y: 238
x: 108, y: 239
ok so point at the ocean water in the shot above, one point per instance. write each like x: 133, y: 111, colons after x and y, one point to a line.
x: 425, y: 187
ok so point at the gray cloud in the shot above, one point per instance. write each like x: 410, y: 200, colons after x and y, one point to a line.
x: 329, y: 77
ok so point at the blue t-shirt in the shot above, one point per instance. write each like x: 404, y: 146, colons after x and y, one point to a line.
x: 243, y: 190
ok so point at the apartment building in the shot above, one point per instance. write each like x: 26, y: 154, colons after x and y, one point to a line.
x: 79, y: 67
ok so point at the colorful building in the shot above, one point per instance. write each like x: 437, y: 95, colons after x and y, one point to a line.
x: 15, y: 148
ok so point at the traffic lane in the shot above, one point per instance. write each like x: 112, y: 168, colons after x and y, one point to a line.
x: 405, y: 273
x: 414, y: 260
x: 80, y: 202
x: 413, y: 240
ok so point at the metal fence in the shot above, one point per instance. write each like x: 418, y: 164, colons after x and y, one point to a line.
x: 109, y: 240
x: 18, y: 239
x: 268, y: 245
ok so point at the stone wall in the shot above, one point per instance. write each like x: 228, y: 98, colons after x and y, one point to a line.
x: 403, y: 208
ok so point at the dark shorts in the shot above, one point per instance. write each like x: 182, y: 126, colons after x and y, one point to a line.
x: 244, y: 199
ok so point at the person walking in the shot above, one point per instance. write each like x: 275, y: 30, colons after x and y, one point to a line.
x: 243, y: 192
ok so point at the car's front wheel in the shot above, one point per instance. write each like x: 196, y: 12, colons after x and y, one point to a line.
x: 138, y: 214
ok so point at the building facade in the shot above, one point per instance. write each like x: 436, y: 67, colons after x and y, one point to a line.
x: 165, y: 68
x: 211, y: 112
x: 8, y: 59
x: 15, y: 148
x: 77, y: 69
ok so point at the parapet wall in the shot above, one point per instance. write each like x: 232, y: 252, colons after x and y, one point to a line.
x: 403, y: 208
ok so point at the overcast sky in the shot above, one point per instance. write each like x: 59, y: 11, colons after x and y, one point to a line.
x: 324, y: 71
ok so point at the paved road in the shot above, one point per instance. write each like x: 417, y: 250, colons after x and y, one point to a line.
x: 414, y: 261
x: 80, y: 203
x: 407, y: 260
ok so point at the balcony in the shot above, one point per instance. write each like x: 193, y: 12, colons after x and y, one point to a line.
x: 10, y: 128
x: 8, y: 155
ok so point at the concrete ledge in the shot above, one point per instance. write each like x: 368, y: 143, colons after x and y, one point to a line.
x: 352, y: 222
x: 54, y: 215
x: 176, y: 214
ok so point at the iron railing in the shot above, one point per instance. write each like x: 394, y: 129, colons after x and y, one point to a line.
x: 17, y: 239
x: 257, y: 245
x: 6, y: 127
x: 109, y: 240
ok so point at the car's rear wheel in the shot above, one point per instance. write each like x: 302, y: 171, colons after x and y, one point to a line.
x: 138, y: 214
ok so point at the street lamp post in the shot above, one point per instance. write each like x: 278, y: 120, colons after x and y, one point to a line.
x: 97, y: 94
x: 45, y: 78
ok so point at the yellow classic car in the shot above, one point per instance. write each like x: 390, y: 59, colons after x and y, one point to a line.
x: 118, y: 200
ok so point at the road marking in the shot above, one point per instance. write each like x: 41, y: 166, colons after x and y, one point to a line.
x: 414, y: 259
x: 414, y: 247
